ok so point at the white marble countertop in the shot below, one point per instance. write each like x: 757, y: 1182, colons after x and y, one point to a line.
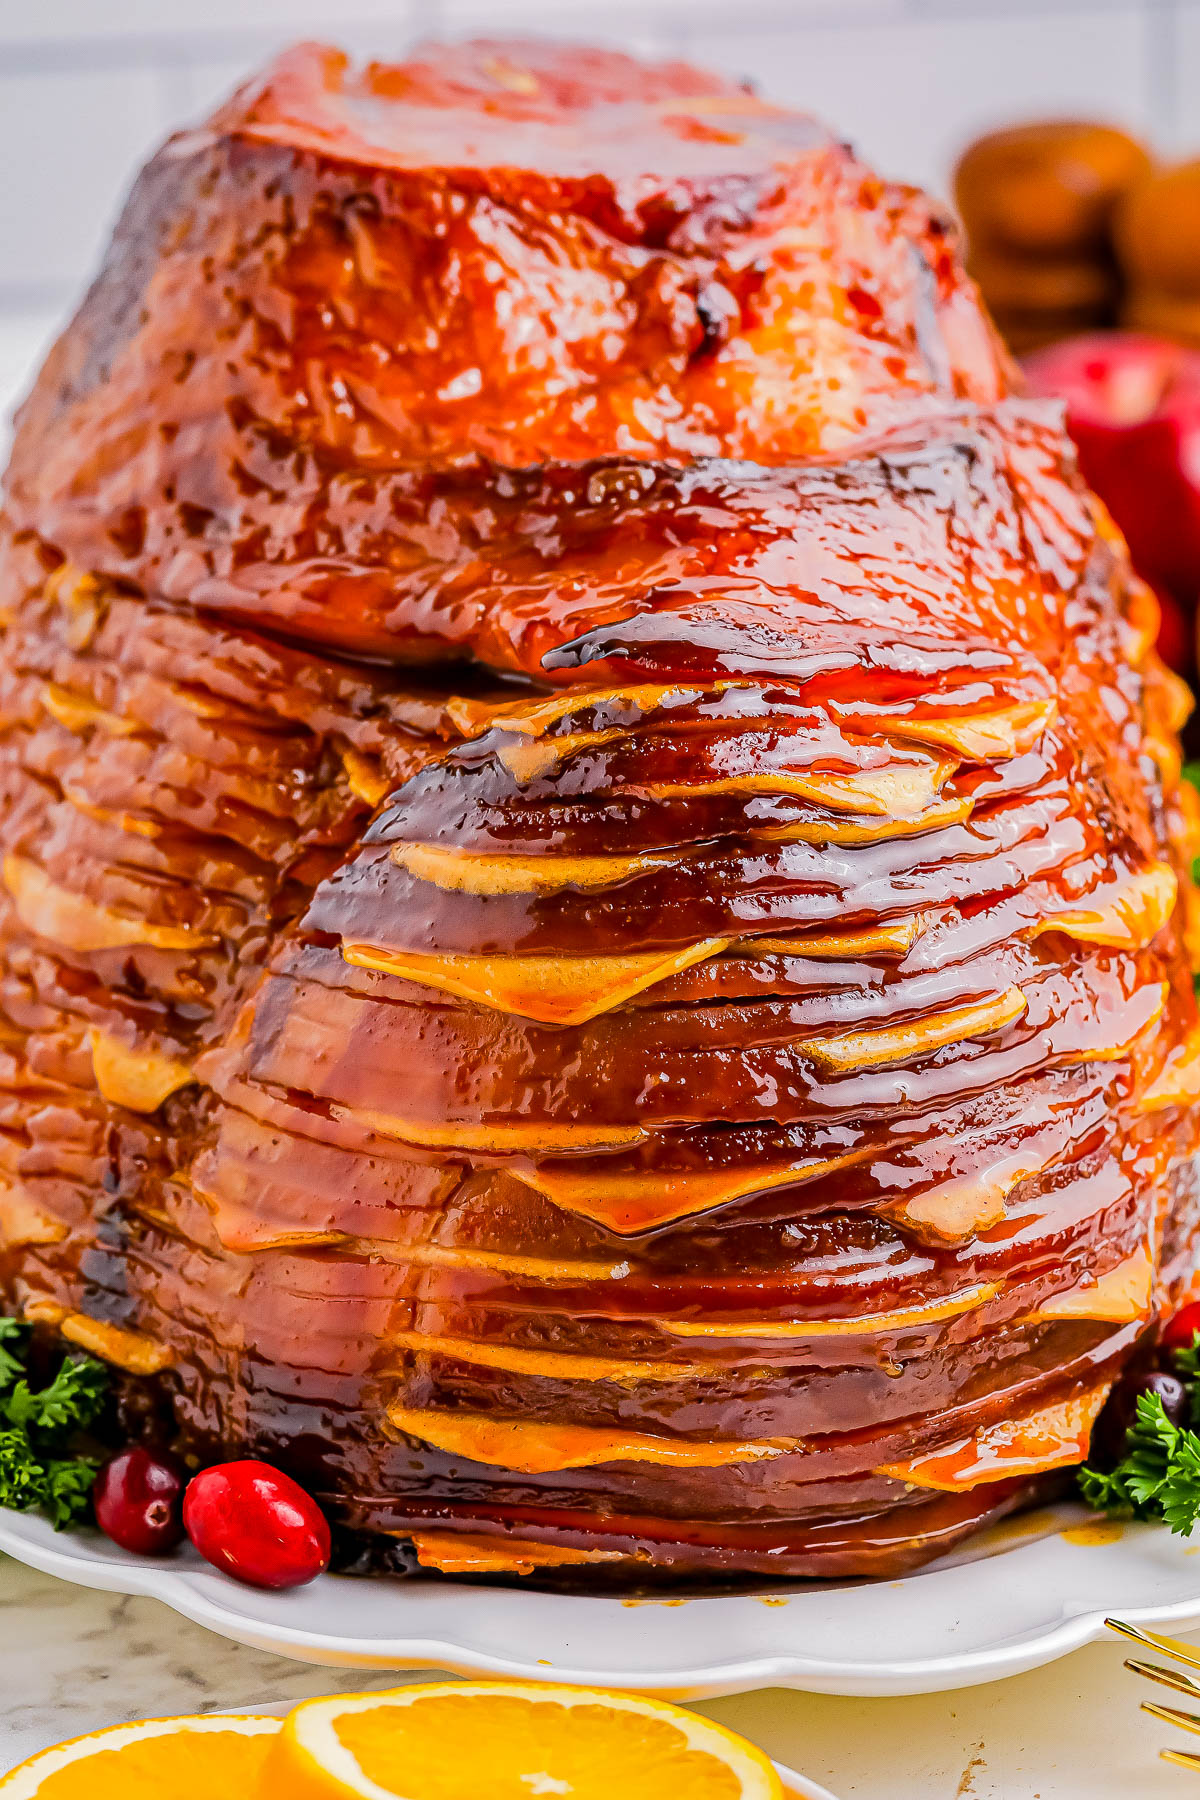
x: 72, y: 1660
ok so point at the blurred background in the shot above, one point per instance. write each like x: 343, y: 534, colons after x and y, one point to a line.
x: 88, y: 87
x: 1071, y: 231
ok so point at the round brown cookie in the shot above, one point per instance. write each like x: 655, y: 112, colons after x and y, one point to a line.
x: 1047, y: 187
x: 1156, y: 231
x: 1043, y: 285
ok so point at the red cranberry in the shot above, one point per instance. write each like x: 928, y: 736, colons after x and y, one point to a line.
x: 1120, y: 1413
x: 137, y: 1499
x: 1179, y: 1332
x: 257, y: 1524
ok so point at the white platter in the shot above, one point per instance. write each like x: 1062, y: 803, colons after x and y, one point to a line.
x: 1022, y: 1596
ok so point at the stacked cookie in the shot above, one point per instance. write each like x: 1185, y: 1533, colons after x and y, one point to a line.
x: 1157, y: 234
x: 1038, y: 203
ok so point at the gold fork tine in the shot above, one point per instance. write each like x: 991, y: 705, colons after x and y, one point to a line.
x: 1184, y: 1653
x: 1172, y: 1715
x: 1172, y: 1678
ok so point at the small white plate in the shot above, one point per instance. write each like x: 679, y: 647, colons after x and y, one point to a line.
x: 1021, y: 1595
x: 798, y: 1788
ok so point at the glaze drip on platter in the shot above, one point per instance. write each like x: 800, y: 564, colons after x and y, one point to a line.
x: 595, y: 897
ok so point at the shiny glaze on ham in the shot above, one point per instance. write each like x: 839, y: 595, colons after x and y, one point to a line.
x: 595, y: 896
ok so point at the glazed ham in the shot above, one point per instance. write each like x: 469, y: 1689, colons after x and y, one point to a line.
x: 596, y: 883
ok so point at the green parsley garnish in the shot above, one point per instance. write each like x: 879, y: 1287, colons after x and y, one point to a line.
x: 11, y: 1366
x: 39, y: 1469
x: 1157, y: 1478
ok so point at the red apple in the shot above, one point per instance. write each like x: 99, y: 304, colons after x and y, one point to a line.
x: 1133, y: 409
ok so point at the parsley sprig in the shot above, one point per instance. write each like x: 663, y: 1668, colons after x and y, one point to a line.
x: 1157, y: 1478
x: 41, y: 1469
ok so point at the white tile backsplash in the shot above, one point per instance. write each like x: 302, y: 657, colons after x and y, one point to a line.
x: 623, y: 24
x: 909, y: 93
x: 88, y: 86
x: 1184, y: 138
x: 116, y: 20
x: 200, y: 85
x: 69, y: 144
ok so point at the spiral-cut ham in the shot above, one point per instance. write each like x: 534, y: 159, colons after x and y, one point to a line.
x: 595, y: 897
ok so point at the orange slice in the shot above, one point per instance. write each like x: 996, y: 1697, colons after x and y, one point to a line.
x: 155, y: 1759
x: 492, y: 872
x: 1128, y: 917
x: 54, y: 912
x: 510, y: 1741
x: 896, y: 1043
x: 1125, y: 1293
x: 1053, y: 1438
x: 538, y: 1449
x: 132, y: 1350
x: 138, y: 1079
x: 557, y: 990
x: 477, y: 1553
x: 78, y: 713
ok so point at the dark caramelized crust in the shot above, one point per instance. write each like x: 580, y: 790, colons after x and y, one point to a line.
x: 350, y: 275
x: 595, y: 894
